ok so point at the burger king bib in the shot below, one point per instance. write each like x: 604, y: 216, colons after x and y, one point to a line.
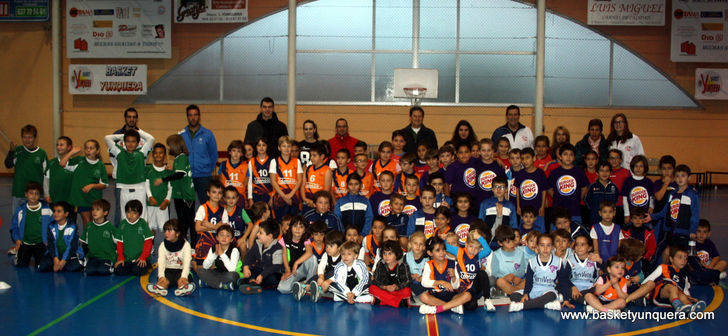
x: 530, y: 187
x: 567, y: 184
x: 462, y: 177
x: 639, y: 192
x: 486, y: 173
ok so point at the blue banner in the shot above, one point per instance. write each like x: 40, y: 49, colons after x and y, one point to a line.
x: 24, y: 10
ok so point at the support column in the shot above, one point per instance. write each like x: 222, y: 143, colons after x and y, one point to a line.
x: 291, y: 99
x: 540, y: 61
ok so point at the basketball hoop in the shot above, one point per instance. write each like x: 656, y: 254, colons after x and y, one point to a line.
x: 415, y: 92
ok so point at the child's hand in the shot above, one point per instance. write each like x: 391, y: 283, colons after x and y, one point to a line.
x: 141, y: 263
x: 182, y: 282
x: 499, y: 209
x: 259, y: 279
x: 116, y: 264
x: 595, y: 257
x: 447, y: 286
x: 152, y: 201
x: 568, y: 304
x: 575, y: 294
x: 350, y: 298
x: 246, y: 272
x: 286, y: 276
x: 164, y: 205
x: 451, y: 272
x: 158, y: 182
x: 218, y: 250
x: 524, y: 298
x: 87, y: 188
x: 48, y: 200
x: 61, y: 265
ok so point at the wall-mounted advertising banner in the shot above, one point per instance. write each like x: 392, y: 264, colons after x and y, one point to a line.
x: 626, y: 13
x: 711, y: 83
x: 107, y: 79
x: 118, y: 29
x: 23, y: 10
x: 698, y: 32
x: 210, y: 11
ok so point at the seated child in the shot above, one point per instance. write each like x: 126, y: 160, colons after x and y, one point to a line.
x: 304, y: 269
x: 389, y: 233
x: 441, y: 281
x: 259, y: 213
x: 474, y: 280
x: 219, y: 268
x: 509, y: 263
x: 391, y: 278
x: 583, y: 273
x: 354, y: 209
x: 442, y: 222
x: 416, y: 260
x: 706, y: 250
x: 529, y: 243
x: 543, y: 272
x: 351, y: 277
x: 639, y: 231
x: 606, y: 234
x: 322, y: 211
x: 497, y: 210
x: 237, y: 219
x: 325, y: 270
x: 174, y: 263
x: 64, y: 253
x: 562, y: 241
x: 562, y: 220
x: 29, y: 227
x: 528, y: 220
x: 294, y: 241
x: 208, y: 218
x: 632, y: 250
x: 263, y: 266
x: 372, y: 242
x: 134, y: 244
x: 437, y: 181
x: 353, y: 235
x: 158, y: 196
x: 610, y: 290
x: 396, y: 218
x: 672, y: 287
x: 423, y: 219
x: 98, y: 241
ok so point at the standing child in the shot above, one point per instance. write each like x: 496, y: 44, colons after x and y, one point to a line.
x: 437, y: 181
x: 606, y: 235
x: 637, y: 189
x: 263, y: 266
x: 610, y: 290
x: 341, y: 172
x: 391, y: 278
x: 662, y: 189
x: 583, y: 273
x: 219, y: 268
x: 259, y: 187
x: 29, y: 229
x: 424, y: 218
x: 29, y: 161
x: 446, y: 156
x: 129, y: 164
x: 64, y: 253
x: 397, y: 219
x: 543, y: 272
x: 249, y: 151
x: 398, y: 143
x: 531, y: 186
x: 407, y: 163
x: 421, y: 166
x: 174, y: 262
x: 441, y: 281
x: 488, y: 169
x: 618, y: 176
x: 208, y: 218
x: 360, y: 147
x: 354, y: 209
x: 461, y: 176
x: 234, y: 171
x: 411, y: 192
x: 568, y: 184
x: 317, y: 178
x: 562, y: 221
x: 503, y: 147
x: 183, y: 192
x: 368, y: 180
x: 57, y: 180
x: 432, y: 166
x: 322, y: 212
x: 134, y: 242
x: 541, y: 149
x: 98, y: 241
x: 639, y: 231
x: 351, y: 277
x: 462, y: 213
x: 384, y: 162
x: 325, y: 270
x: 238, y: 219
x: 380, y: 200
x: 286, y: 177
x: 89, y: 178
x: 590, y: 166
x: 528, y: 220
x: 497, y: 210
x: 514, y: 158
x: 442, y: 224
x: 672, y: 286
x: 601, y: 190
x: 158, y: 196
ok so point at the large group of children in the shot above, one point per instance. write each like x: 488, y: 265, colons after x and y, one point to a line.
x: 446, y: 229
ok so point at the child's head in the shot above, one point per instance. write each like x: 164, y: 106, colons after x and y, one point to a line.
x: 566, y: 153
x: 391, y: 251
x: 607, y: 211
x: 482, y: 227
x: 604, y: 170
x: 286, y: 221
x: 133, y: 210
x: 295, y: 149
x: 131, y: 139
x: 541, y: 145
x: 411, y: 184
x: 33, y: 192
x: 91, y: 149
x: 682, y: 174
x: 176, y: 145
x: 159, y: 154
x: 421, y: 151
x: 230, y: 196
x: 318, y: 231
x: 333, y: 240
x: 486, y: 149
x: 527, y: 155
x: 390, y: 233
x: 214, y: 191
x: 396, y: 203
x: 615, y: 158
x: 514, y: 156
x: 531, y: 239
x: 528, y: 216
x: 225, y: 234
x: 349, y: 252
x: 416, y: 243
x: 446, y: 155
x: 562, y: 240
x: 269, y: 231
x: 631, y: 249
x: 463, y: 152
x: 435, y: 248
x: 259, y: 211
x: 545, y: 244
x: 407, y: 162
x: 322, y: 201
x: 248, y: 150
x: 678, y: 256
x: 703, y: 231
x: 285, y: 144
x: 353, y: 183
x: 385, y: 151
x: 638, y: 216
x: 298, y: 228
x: 235, y: 151
x: 639, y: 165
x: 427, y: 197
x: 398, y: 141
x: 29, y: 134
x: 590, y: 159
x: 462, y: 202
x: 500, y: 187
x: 562, y: 218
x: 360, y: 147
x: 503, y: 146
x: 261, y: 146
x: 430, y: 157
x: 472, y: 245
x: 378, y: 224
x: 615, y: 267
x: 442, y: 217
x: 667, y: 165
x: 582, y: 245
x: 172, y: 230
x: 342, y: 158
x: 61, y: 211
x: 437, y: 181
x: 100, y: 209
x: 361, y: 161
x: 506, y: 238
x: 386, y: 180
x: 517, y: 234
x: 352, y: 234
x: 63, y: 145
x: 318, y: 155
x: 475, y: 149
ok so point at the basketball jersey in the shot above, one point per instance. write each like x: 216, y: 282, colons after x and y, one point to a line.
x: 340, y: 186
x: 259, y: 177
x: 611, y: 294
x: 234, y: 175
x: 468, y: 267
x: 378, y: 168
x: 315, y: 179
x: 318, y: 252
x: 368, y: 184
x: 440, y: 273
x: 399, y: 183
x: 213, y: 216
x: 372, y: 246
x: 286, y: 173
x: 583, y: 272
x: 294, y: 250
x: 544, y: 275
x: 239, y: 220
x: 669, y: 274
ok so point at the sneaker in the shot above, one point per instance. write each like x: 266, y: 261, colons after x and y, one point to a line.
x: 316, y: 292
x: 684, y: 308
x: 458, y: 309
x: 495, y: 292
x: 489, y: 305
x: 698, y: 307
x: 553, y: 305
x: 185, y: 290
x: 591, y: 310
x: 153, y: 288
x: 721, y: 277
x: 426, y: 310
x: 298, y: 290
x: 515, y: 306
x: 228, y: 286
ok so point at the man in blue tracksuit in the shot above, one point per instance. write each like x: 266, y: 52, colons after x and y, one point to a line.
x: 354, y: 209
x: 202, y: 147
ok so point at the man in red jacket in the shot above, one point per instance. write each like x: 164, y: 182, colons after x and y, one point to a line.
x: 342, y: 139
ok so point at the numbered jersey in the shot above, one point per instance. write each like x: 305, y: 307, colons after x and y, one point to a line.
x: 234, y: 175
x: 378, y: 167
x: 339, y: 179
x: 259, y: 181
x: 286, y: 172
x: 211, y: 214
x: 315, y: 179
x: 467, y: 267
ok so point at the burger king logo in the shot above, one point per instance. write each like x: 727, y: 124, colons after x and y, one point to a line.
x: 638, y: 196
x: 429, y: 228
x: 469, y: 177
x: 566, y: 185
x: 674, y: 208
x: 409, y: 209
x: 485, y: 180
x: 529, y: 189
x: 384, y: 208
x: 512, y: 190
x: 704, y: 257
x: 462, y: 232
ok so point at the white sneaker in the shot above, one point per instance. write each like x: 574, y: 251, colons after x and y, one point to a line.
x: 298, y: 290
x: 426, y: 310
x: 591, y: 310
x: 185, y: 290
x: 515, y: 306
x: 153, y: 288
x: 722, y: 275
x: 489, y: 305
x: 553, y: 305
x: 458, y: 309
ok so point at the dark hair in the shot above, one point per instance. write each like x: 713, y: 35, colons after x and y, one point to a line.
x: 444, y: 211
x: 257, y: 210
x: 411, y: 177
x: 236, y: 144
x: 416, y: 108
x: 513, y: 107
x: 614, y: 150
x: 631, y: 249
x: 176, y: 145
x: 160, y: 145
x: 638, y: 212
x: 319, y: 226
x: 566, y: 147
x: 379, y: 218
x: 603, y: 163
x: 29, y: 129
x: 173, y: 224
x: 479, y: 224
x: 133, y: 134
x: 352, y: 227
x: 225, y: 227
x: 560, y: 212
x: 323, y: 193
x: 667, y: 159
x: 606, y: 204
x: 345, y: 151
x: 134, y: 206
x: 500, y: 180
x: 596, y: 122
x: 361, y: 144
x: 436, y: 175
x: 408, y: 157
x: 267, y: 100
x: 334, y: 238
x: 101, y: 204
x: 68, y: 140
x: 32, y: 185
x: 430, y: 154
x: 638, y: 159
x: 432, y: 242
x: 542, y: 138
x: 514, y: 151
x: 448, y: 148
x: 385, y: 173
x: 215, y: 183
x: 397, y: 133
x: 191, y: 107
x: 471, y: 136
x: 614, y: 259
x: 271, y: 227
x: 392, y: 246
x: 528, y: 151
x: 385, y: 144
x: 398, y: 196
x: 674, y: 249
x: 562, y: 233
x: 704, y: 223
x: 529, y: 209
x: 613, y: 133
x: 309, y: 121
x: 67, y: 207
x: 318, y: 149
x: 131, y: 109
x: 504, y: 233
x: 352, y: 177
x: 682, y: 168
x: 465, y: 195
x: 591, y: 152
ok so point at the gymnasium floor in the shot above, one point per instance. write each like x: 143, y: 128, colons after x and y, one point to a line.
x: 70, y: 304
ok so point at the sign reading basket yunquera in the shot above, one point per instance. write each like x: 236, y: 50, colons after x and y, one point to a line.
x: 626, y: 12
x: 711, y: 83
x: 107, y: 79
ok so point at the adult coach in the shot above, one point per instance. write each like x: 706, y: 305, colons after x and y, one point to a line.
x: 342, y: 139
x: 592, y: 140
x: 621, y: 138
x: 131, y: 122
x: 266, y: 126
x: 416, y: 133
x: 518, y: 134
x: 202, y: 147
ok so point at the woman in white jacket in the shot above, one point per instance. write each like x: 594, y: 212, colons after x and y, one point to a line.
x: 621, y: 138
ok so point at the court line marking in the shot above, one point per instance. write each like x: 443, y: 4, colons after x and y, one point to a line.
x: 714, y: 304
x: 80, y: 306
x: 432, y: 328
x: 144, y: 280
